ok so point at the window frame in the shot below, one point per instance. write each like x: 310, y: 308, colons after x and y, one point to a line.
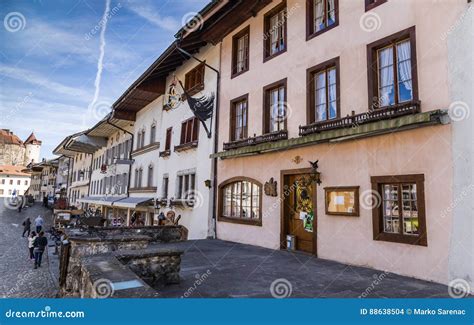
x: 372, y: 67
x: 310, y: 90
x: 194, y: 87
x: 168, y: 138
x: 235, y: 40
x: 310, y: 32
x: 194, y: 122
x: 354, y: 189
x: 371, y: 5
x: 233, y: 120
x: 250, y: 222
x: 377, y: 214
x: 266, y: 29
x: 266, y: 105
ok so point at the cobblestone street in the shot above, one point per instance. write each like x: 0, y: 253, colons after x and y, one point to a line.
x: 17, y: 276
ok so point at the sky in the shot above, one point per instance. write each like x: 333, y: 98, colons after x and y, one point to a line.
x: 63, y: 65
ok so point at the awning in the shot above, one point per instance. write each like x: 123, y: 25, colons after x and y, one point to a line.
x: 100, y: 200
x: 132, y: 202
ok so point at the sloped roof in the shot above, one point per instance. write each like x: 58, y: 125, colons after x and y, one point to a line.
x: 8, y: 137
x: 32, y: 139
x: 12, y: 170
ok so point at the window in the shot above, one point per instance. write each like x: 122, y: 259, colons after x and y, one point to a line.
x: 142, y: 139
x: 370, y: 4
x: 275, y: 31
x: 165, y: 187
x: 3, y: 181
x: 26, y: 182
x: 11, y: 182
x: 392, y: 70
x: 186, y: 186
x: 1, y: 191
x: 275, y: 107
x: 189, y: 130
x: 169, y: 132
x: 153, y: 133
x: 140, y: 177
x: 322, y: 15
x: 240, y: 201
x: 240, y: 52
x: 399, y: 215
x: 238, y: 119
x: 323, y: 88
x: 150, y: 176
x: 194, y: 79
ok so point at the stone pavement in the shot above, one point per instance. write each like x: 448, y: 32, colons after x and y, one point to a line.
x: 215, y: 268
x: 17, y: 276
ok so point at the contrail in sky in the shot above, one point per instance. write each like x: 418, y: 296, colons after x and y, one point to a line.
x: 100, y: 62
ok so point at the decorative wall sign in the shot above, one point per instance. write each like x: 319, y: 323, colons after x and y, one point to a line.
x: 297, y: 160
x: 270, y: 188
x: 172, y: 98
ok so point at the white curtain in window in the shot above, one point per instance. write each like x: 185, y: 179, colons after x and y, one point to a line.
x: 385, y: 75
x: 318, y: 15
x: 404, y: 66
x: 331, y: 12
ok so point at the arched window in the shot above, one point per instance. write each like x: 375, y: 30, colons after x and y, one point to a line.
x: 136, y: 177
x: 140, y: 177
x: 150, y: 176
x: 240, y: 201
x: 153, y: 133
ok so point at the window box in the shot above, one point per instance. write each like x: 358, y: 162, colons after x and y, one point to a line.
x: 182, y: 203
x: 269, y: 137
x: 354, y: 120
x: 393, y: 194
x: 146, y: 189
x: 145, y: 149
x: 186, y: 146
x: 342, y: 201
x: 165, y: 153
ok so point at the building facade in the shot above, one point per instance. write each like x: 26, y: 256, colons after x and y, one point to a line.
x: 329, y: 130
x: 13, y: 181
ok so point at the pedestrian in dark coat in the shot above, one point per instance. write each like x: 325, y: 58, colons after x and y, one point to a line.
x: 39, y: 247
x: 26, y: 227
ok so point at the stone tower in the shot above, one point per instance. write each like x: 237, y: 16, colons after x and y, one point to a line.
x: 32, y: 149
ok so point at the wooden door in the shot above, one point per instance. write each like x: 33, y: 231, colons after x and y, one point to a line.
x: 300, y: 211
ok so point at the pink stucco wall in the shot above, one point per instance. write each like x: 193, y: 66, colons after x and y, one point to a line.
x: 422, y: 151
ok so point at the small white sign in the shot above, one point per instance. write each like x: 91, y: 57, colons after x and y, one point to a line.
x: 302, y: 215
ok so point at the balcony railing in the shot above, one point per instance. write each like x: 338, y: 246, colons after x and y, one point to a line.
x: 355, y: 120
x: 186, y: 146
x: 269, y: 137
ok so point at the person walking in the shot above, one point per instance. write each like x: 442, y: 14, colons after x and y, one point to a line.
x: 39, y: 223
x: 40, y: 244
x: 31, y: 244
x: 26, y: 227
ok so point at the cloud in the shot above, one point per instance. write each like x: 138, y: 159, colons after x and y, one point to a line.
x: 146, y: 11
x: 43, y: 82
